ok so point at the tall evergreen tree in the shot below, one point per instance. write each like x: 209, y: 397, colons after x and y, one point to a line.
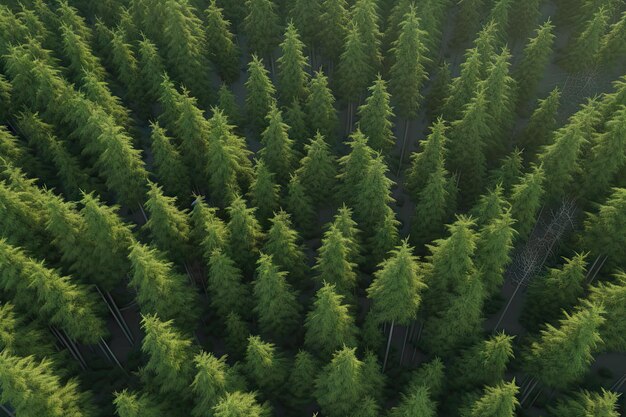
x: 526, y: 200
x: 349, y: 229
x: 226, y: 287
x: 265, y: 365
x: 526, y: 14
x: 613, y: 42
x: 245, y: 234
x: 585, y: 403
x: 424, y: 163
x: 611, y: 296
x: 292, y: 65
x: 416, y: 403
x: 261, y: 26
x: 604, y: 229
x: 329, y: 325
x: 463, y: 87
x: 300, y: 205
x: 317, y: 170
x: 264, y: 193
x: 239, y: 404
x: 333, y: 262
x: 151, y: 70
x: 209, y: 384
x: 365, y: 17
x: 277, y: 152
x: 301, y: 381
x: 431, y: 211
x: 468, y: 19
x: 222, y: 49
x: 540, y: 129
x: 508, y: 173
x: 295, y: 119
x: 355, y: 71
x: 493, y: 250
x: 496, y: 401
x: 227, y: 103
x: 536, y: 56
x: 169, y: 166
x: 374, y: 196
x: 283, y: 245
x: 354, y: 166
x: 320, y: 108
x: 583, y: 49
x: 260, y: 93
x: 128, y: 404
x: 334, y: 31
x: 375, y: 117
x: 306, y: 16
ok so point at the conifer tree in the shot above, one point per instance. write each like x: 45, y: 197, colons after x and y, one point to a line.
x: 349, y: 229
x: 160, y: 289
x: 151, y: 70
x: 562, y: 354
x: 306, y: 16
x: 432, y: 209
x: 500, y: 89
x: 613, y: 42
x: 317, y: 170
x: 239, y: 404
x: 334, y: 31
x: 171, y: 101
x: 606, y: 157
x: 540, y: 129
x: 301, y: 381
x: 493, y: 249
x: 32, y: 389
x: 499, y: 17
x: 222, y: 49
x: 374, y: 196
x: 277, y: 151
x: 168, y: 164
x: 225, y: 285
x: 375, y: 117
x: 384, y: 239
x: 170, y: 357
x: 236, y: 335
x: 292, y: 65
x: 407, y: 74
x: 497, y: 401
x: 354, y: 166
x: 265, y: 365
x: 209, y: 384
x: 98, y: 91
x: 395, y: 290
x: 128, y: 404
x: 604, y: 230
x: 276, y: 304
x: 244, y: 234
x: 439, y: 91
x: 295, y: 119
x: 585, y: 403
x: 525, y: 15
x: 167, y: 225
x: 463, y: 87
x: 333, y: 262
x: 329, y: 325
x: 320, y: 108
x: 526, y: 200
x: 208, y: 232
x: 264, y: 193
x: 260, y: 93
x: 124, y: 61
x: 489, y: 206
x: 80, y: 56
x: 416, y: 403
x: 468, y: 19
x: 283, y: 245
x: 339, y: 386
x: 261, y: 26
x: 43, y: 292
x: 557, y: 291
x: 535, y: 58
x: 365, y: 17
x: 228, y: 105
x: 426, y: 162
x: 611, y: 296
x: 300, y: 205
x: 508, y: 173
x: 582, y: 50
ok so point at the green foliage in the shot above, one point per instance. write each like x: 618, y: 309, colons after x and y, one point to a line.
x: 353, y: 167
x: 302, y: 378
x: 208, y: 231
x: 613, y: 42
x: 355, y: 72
x: 244, y: 234
x: 307, y: 17
x: 277, y: 150
x: 428, y: 161
x: 320, y: 109
x: 260, y: 93
x: 239, y: 404
x: 468, y: 19
x: 295, y: 119
x: 526, y: 14
x: 585, y: 403
x: 265, y: 365
x: 365, y: 17
x: 349, y: 229
x: 300, y: 205
x: 540, y: 129
x: 537, y: 53
x: 317, y: 170
x: 583, y: 49
x: 227, y: 103
x: 375, y: 117
x: 334, y: 30
x: 225, y: 285
x: 128, y: 404
x: 222, y: 49
x: 209, y: 384
x: 526, y: 199
x: 261, y: 26
x: 333, y: 261
x: 497, y: 401
x: 264, y: 193
x: 168, y: 164
x: 611, y: 296
x: 509, y: 171
x: 415, y: 403
x: 463, y: 87
x: 603, y: 233
x: 374, y: 196
x: 283, y: 245
x: 432, y: 209
x: 292, y: 65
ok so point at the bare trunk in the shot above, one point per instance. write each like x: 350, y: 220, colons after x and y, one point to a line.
x: 7, y: 411
x: 388, y: 345
x: 506, y: 308
x: 406, y: 336
x: 110, y: 353
x: 143, y: 213
x: 407, y: 123
x: 118, y: 317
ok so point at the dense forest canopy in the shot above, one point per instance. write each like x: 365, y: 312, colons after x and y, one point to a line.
x: 333, y: 208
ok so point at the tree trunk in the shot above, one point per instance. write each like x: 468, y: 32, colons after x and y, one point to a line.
x: 406, y: 134
x: 406, y: 336
x: 388, y: 345
x: 117, y: 315
x: 7, y: 411
x: 143, y: 213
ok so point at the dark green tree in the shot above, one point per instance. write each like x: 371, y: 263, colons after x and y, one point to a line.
x: 431, y: 157
x: 295, y: 119
x: 261, y: 26
x: 526, y: 200
x: 349, y: 229
x: 374, y: 196
x: 226, y: 287
x: 585, y: 403
x: 209, y: 384
x: 168, y: 164
x: 277, y: 150
x: 537, y: 52
x: 525, y: 16
x: 300, y: 205
x: 228, y: 105
x: 292, y: 74
x: 583, y: 49
x: 128, y: 404
x: 375, y: 117
x: 611, y: 296
x: 264, y: 193
x: 604, y: 229
x: 283, y: 245
x: 245, y: 234
x: 317, y: 170
x: 497, y: 401
x: 540, y: 129
x: 265, y: 366
x: 333, y: 262
x: 415, y: 403
x: 613, y: 42
x: 222, y: 49
x: 320, y: 109
x: 259, y: 93
x: 239, y: 404
x: 353, y: 167
x: 151, y: 70
x: 365, y: 16
x: 334, y: 30
x: 301, y: 381
x: 508, y: 173
x: 431, y: 211
x: 463, y: 87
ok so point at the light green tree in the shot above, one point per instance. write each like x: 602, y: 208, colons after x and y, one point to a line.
x: 292, y: 74
x: 375, y: 117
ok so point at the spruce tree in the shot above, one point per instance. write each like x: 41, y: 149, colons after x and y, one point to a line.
x: 526, y: 200
x: 301, y: 381
x: 160, y: 289
x: 375, y: 117
x: 334, y: 30
x: 562, y: 354
x: 236, y: 335
x: 239, y: 404
x: 497, y: 401
x: 259, y: 93
x: 168, y: 164
x: 365, y: 17
x: 355, y: 71
x: 349, y: 229
x: 227, y: 103
x: 333, y: 262
x: 300, y: 205
x: 525, y: 15
x: 124, y: 61
x: 276, y: 304
x: 222, y: 49
x: 508, y: 173
x: 439, y: 91
x: 128, y: 404
x: 261, y: 26
x: 264, y: 193
x: 151, y: 70
x: 374, y: 196
x: 317, y: 170
x: 385, y: 238
x: 583, y: 49
x: 613, y: 42
x: 208, y: 231
x: 604, y: 229
x: 493, y: 250
x: 283, y: 245
x: 296, y: 122
x: 463, y: 87
x: 499, y: 16
x: 292, y: 65
x: 265, y: 365
x: 611, y: 296
x: 489, y: 206
x: 320, y: 109
x: 431, y: 211
x: 170, y: 357
x: 431, y: 157
x: 339, y: 387
x: 415, y: 403
x: 468, y: 19
x: 226, y: 287
x: 167, y: 226
x: 354, y: 166
x: 329, y: 325
x: 536, y: 56
x: 540, y: 129
x: 277, y: 150
x: 209, y: 384
x: 585, y: 403
x: 244, y: 234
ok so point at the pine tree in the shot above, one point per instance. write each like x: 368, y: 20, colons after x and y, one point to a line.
x: 540, y: 129
x: 508, y: 173
x: 536, y: 55
x: 306, y: 16
x: 320, y: 108
x: 317, y: 170
x: 128, y: 404
x: 151, y: 70
x: 430, y: 375
x: 167, y: 226
x: 227, y: 103
x: 463, y: 87
x: 582, y: 50
x: 276, y: 304
x: 604, y: 230
x: 171, y: 101
x: 170, y: 357
x: 160, y: 289
x: 222, y: 49
x: 239, y: 404
x: 415, y: 403
x: 292, y: 65
x: 334, y: 31
x: 606, y: 157
x: 611, y: 296
x: 613, y: 42
x: 295, y: 119
x: 300, y: 205
x: 339, y: 386
x: 489, y: 206
x: 333, y: 262
x: 124, y: 61
x: 558, y: 290
x: 526, y: 200
x: 80, y: 56
x: 282, y: 244
x: 499, y: 16
x: 277, y: 150
x: 208, y: 232
x: 385, y: 238
x: 493, y: 250
x: 426, y: 162
x: 585, y: 403
x: 209, y: 383
x: 265, y: 365
x: 562, y: 354
x: 168, y: 164
x: 374, y: 196
x: 260, y: 93
x: 526, y: 14
x: 264, y: 193
x: 355, y: 71
x: 365, y: 17
x: 431, y: 211
x: 497, y: 401
x: 44, y: 293
x: 225, y: 285
x: 408, y: 74
x: 245, y: 234
x: 32, y: 389
x: 375, y: 117
x: 236, y: 335
x: 468, y: 19
x: 301, y: 381
x: 5, y: 98
x: 439, y: 91
x: 261, y: 26
x: 329, y: 325
x: 354, y: 166
x: 349, y: 229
